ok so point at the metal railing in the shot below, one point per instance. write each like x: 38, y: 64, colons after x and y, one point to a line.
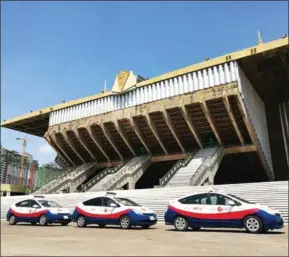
x: 125, y: 170
x: 206, y: 166
x: 131, y: 171
x: 180, y: 164
x: 100, y: 176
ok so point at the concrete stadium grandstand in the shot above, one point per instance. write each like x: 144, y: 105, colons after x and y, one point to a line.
x: 224, y: 120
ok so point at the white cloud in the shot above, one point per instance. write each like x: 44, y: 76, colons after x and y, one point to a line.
x: 47, y: 149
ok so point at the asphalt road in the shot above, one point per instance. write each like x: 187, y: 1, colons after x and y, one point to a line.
x: 162, y: 240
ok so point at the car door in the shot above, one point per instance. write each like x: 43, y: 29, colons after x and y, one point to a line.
x: 34, y: 207
x: 93, y: 210
x: 21, y: 210
x: 111, y: 212
x: 223, y: 213
x: 195, y: 209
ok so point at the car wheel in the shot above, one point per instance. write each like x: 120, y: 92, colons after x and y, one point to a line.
x: 125, y: 222
x: 12, y: 220
x: 145, y: 226
x: 43, y: 221
x: 181, y: 224
x: 196, y: 228
x: 253, y: 224
x: 81, y: 222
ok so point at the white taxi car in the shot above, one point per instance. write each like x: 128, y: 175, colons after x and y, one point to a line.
x: 112, y: 210
x: 38, y: 210
x: 215, y: 209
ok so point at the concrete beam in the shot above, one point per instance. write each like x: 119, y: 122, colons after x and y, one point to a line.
x: 110, y: 139
x: 191, y: 125
x: 171, y: 102
x: 210, y: 120
x: 170, y: 157
x: 83, y: 143
x: 58, y: 150
x: 96, y: 140
x: 233, y: 120
x: 171, y: 126
x: 54, y: 139
x: 69, y: 141
x: 123, y: 135
x: 154, y: 131
x: 240, y: 149
x: 138, y: 133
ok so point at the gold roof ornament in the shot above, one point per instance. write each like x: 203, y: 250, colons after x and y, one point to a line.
x: 125, y: 81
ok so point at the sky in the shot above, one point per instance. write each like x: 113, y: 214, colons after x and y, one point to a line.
x: 55, y: 51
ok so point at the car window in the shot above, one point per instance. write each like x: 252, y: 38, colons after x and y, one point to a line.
x: 24, y: 203
x: 49, y: 204
x: 33, y: 202
x: 218, y: 199
x: 194, y: 199
x: 93, y: 202
x: 107, y: 201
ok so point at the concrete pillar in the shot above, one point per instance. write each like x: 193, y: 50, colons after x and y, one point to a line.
x: 8, y: 193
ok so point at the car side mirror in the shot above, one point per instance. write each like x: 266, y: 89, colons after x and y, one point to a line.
x: 112, y: 205
x: 231, y: 203
x: 35, y: 206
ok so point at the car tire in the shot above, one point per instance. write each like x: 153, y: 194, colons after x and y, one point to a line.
x: 196, y: 228
x: 80, y: 221
x: 101, y: 225
x: 145, y: 226
x: 43, y: 221
x: 125, y: 222
x: 181, y: 223
x: 253, y: 224
x: 12, y: 220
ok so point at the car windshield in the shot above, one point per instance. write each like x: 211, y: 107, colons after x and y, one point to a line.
x: 240, y: 199
x: 47, y: 203
x: 127, y: 202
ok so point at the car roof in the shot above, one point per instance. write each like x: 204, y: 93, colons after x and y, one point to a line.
x: 200, y: 193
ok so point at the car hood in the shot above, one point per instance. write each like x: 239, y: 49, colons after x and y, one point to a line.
x: 143, y: 209
x: 59, y: 210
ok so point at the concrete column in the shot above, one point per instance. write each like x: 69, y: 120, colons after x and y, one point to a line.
x: 171, y: 127
x: 154, y: 131
x: 110, y: 139
x: 8, y: 193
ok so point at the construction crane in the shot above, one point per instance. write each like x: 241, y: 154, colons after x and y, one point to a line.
x: 22, y: 158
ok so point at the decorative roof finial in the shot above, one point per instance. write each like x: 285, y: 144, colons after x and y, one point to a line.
x: 259, y: 38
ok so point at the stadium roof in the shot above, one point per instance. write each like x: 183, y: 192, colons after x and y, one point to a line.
x: 257, y: 59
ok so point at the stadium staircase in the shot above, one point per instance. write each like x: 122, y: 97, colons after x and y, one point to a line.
x: 196, y: 169
x: 272, y: 194
x: 128, y: 174
x: 71, y: 180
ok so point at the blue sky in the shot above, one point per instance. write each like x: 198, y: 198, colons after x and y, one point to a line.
x: 55, y: 51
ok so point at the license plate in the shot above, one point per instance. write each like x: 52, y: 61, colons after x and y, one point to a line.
x: 65, y: 217
x: 152, y: 218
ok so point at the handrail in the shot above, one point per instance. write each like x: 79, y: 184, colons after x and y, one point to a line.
x: 120, y: 174
x: 207, y: 164
x: 181, y: 163
x: 100, y: 176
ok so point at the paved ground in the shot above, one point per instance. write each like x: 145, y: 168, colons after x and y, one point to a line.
x: 57, y: 240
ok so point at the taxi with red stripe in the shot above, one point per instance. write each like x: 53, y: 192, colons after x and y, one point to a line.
x: 38, y: 210
x: 219, y: 210
x: 112, y: 210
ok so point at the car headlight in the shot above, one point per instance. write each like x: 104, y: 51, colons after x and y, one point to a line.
x: 53, y: 212
x: 137, y: 212
x: 270, y: 211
